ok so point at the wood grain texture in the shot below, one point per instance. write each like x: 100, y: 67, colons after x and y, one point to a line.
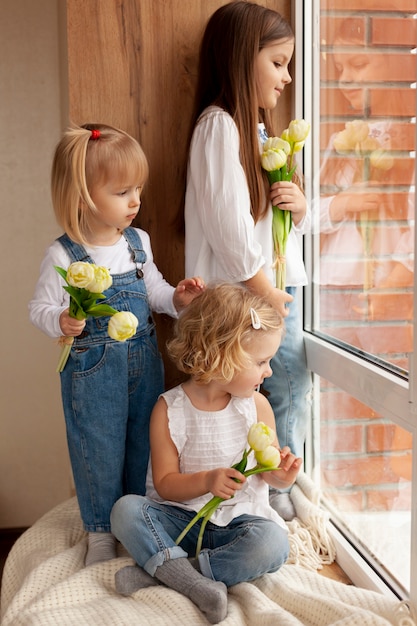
x: 132, y: 64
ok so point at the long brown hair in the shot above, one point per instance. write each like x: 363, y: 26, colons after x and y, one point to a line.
x: 233, y: 37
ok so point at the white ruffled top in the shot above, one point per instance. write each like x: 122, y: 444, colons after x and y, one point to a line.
x: 209, y: 439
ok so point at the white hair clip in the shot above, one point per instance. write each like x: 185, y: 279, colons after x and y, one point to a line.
x: 256, y: 322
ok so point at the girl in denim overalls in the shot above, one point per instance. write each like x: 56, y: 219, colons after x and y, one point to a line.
x: 108, y: 387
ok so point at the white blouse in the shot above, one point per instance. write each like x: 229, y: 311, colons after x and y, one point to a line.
x: 221, y: 240
x: 50, y: 299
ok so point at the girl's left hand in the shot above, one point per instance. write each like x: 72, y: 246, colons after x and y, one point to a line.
x: 289, y: 197
x: 187, y: 290
x: 288, y: 469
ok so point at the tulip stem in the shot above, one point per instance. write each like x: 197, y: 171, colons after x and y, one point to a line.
x: 214, y: 502
x: 211, y: 506
x: 65, y: 352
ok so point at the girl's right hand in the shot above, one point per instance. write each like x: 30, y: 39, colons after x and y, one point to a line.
x: 221, y: 482
x: 260, y: 284
x: 70, y: 326
x: 278, y: 299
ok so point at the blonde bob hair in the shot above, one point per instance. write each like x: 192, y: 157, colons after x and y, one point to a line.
x: 85, y: 156
x: 213, y: 331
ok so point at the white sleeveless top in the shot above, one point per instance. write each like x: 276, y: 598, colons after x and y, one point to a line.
x: 206, y: 440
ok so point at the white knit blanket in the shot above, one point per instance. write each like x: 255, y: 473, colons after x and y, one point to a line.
x: 45, y: 583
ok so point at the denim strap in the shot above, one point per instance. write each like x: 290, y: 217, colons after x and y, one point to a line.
x: 135, y: 245
x: 75, y: 250
x: 78, y: 253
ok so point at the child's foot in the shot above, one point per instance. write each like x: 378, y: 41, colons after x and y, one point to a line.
x: 101, y: 547
x: 209, y: 595
x: 131, y: 578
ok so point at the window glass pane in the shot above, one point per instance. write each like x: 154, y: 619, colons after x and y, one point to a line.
x: 364, y: 218
x: 365, y: 471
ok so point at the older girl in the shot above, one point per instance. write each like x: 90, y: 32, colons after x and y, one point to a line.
x: 244, y: 68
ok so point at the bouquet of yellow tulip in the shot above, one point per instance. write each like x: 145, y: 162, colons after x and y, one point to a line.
x: 260, y: 438
x: 85, y: 284
x: 277, y: 160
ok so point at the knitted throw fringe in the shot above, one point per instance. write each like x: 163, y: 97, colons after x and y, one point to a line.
x: 311, y: 546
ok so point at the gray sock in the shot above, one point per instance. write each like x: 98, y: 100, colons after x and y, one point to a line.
x: 209, y: 595
x: 101, y: 547
x: 131, y: 578
x: 282, y: 504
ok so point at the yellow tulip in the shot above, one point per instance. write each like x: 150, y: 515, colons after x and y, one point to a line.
x: 273, y: 160
x: 260, y: 436
x: 358, y: 131
x: 102, y: 280
x: 122, y: 325
x: 277, y: 143
x: 297, y: 131
x: 80, y: 274
x: 381, y: 159
x: 270, y: 457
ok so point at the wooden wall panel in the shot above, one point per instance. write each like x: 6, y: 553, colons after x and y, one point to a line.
x: 132, y: 64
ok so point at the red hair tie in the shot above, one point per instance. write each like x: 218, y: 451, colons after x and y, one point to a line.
x: 95, y: 134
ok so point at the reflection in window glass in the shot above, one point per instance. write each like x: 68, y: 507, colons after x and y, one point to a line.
x: 365, y: 471
x: 364, y: 219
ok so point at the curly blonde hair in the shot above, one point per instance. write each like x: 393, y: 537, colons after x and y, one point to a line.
x: 80, y: 162
x: 212, y: 333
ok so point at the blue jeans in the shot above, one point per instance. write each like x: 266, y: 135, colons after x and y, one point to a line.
x: 289, y: 387
x: 243, y: 550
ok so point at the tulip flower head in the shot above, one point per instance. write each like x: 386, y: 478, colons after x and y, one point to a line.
x: 260, y: 436
x: 356, y: 139
x: 122, y: 325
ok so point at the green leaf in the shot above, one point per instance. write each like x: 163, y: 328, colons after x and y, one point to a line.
x: 275, y: 176
x: 61, y: 272
x: 100, y: 310
x: 76, y: 295
x: 241, y: 466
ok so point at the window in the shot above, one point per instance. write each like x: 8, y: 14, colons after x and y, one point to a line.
x: 359, y: 68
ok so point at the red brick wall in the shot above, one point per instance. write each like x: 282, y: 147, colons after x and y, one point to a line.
x: 363, y: 456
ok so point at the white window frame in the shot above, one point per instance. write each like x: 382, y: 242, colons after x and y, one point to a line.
x: 388, y: 394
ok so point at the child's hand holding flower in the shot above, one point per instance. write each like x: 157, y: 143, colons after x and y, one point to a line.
x: 223, y: 482
x: 289, y: 467
x: 260, y: 440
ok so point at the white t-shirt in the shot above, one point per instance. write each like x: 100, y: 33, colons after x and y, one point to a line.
x: 221, y: 240
x: 50, y: 299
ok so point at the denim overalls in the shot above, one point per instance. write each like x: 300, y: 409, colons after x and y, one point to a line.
x: 109, y: 389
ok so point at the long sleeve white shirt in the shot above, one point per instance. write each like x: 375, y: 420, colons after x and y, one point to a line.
x: 50, y: 299
x: 222, y: 241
